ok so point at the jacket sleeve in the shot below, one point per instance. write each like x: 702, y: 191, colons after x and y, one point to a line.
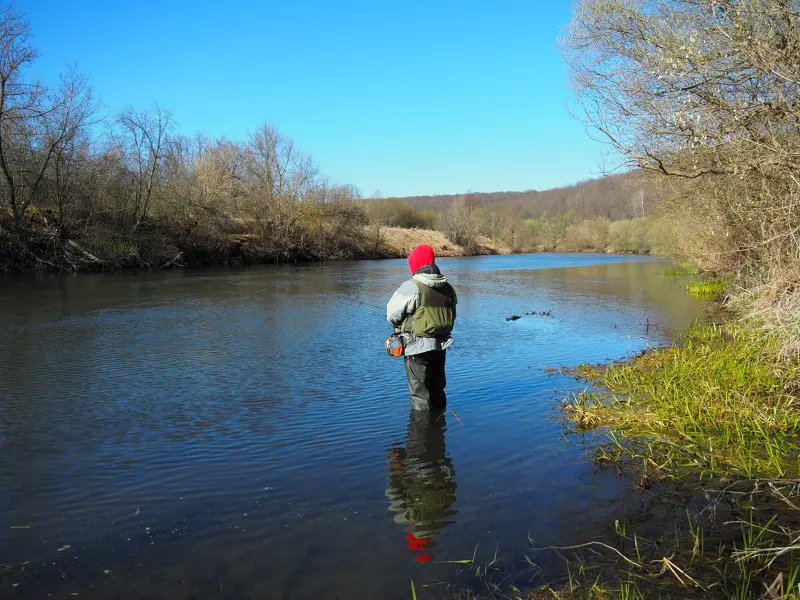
x: 402, y: 303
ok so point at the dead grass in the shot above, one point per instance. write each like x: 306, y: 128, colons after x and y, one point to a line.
x: 400, y: 241
x: 770, y: 298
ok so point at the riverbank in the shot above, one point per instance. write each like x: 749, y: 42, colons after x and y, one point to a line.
x: 40, y: 244
x: 398, y: 242
x: 708, y: 433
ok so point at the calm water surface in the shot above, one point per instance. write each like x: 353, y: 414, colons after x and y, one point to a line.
x: 243, y: 434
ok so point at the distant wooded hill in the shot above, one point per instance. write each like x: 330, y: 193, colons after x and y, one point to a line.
x: 614, y: 197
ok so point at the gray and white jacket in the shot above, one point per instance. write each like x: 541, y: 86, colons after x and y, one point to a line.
x: 404, y: 302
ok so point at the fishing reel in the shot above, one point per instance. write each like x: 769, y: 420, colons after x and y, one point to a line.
x: 395, y: 345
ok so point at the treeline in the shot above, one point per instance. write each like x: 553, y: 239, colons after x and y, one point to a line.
x: 557, y: 233
x: 83, y: 189
x: 614, y: 197
x: 609, y: 214
x: 465, y: 218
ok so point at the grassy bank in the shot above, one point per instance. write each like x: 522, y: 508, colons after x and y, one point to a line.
x: 720, y: 403
x: 708, y: 431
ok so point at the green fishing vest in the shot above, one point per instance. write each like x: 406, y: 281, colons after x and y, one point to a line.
x: 436, y: 311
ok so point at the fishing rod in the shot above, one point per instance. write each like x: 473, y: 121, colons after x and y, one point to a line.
x: 354, y: 301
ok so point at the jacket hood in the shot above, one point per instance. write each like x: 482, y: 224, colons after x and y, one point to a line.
x: 433, y: 280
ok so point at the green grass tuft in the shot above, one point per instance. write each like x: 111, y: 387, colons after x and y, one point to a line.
x: 680, y: 271
x: 707, y: 289
x: 719, y: 403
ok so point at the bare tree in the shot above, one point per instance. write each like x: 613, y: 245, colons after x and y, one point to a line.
x: 142, y: 141
x: 280, y: 176
x: 70, y: 167
x: 37, y: 126
x: 461, y: 222
x: 715, y: 78
x: 221, y: 174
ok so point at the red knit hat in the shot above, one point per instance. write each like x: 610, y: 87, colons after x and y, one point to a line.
x: 421, y: 256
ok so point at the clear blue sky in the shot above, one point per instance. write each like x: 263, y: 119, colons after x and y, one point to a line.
x: 407, y: 97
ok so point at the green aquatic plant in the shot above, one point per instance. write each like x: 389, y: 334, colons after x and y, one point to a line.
x: 707, y: 289
x: 628, y: 590
x: 680, y: 271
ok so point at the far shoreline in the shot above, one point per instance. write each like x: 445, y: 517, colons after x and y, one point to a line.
x: 195, y: 266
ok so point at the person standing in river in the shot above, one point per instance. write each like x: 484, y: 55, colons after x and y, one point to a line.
x: 423, y: 310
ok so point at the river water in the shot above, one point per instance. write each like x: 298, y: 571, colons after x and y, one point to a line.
x: 243, y: 433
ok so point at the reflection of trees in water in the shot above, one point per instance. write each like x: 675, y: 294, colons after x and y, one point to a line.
x: 421, y: 488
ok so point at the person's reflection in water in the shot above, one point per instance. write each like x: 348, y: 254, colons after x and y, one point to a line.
x: 421, y: 488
